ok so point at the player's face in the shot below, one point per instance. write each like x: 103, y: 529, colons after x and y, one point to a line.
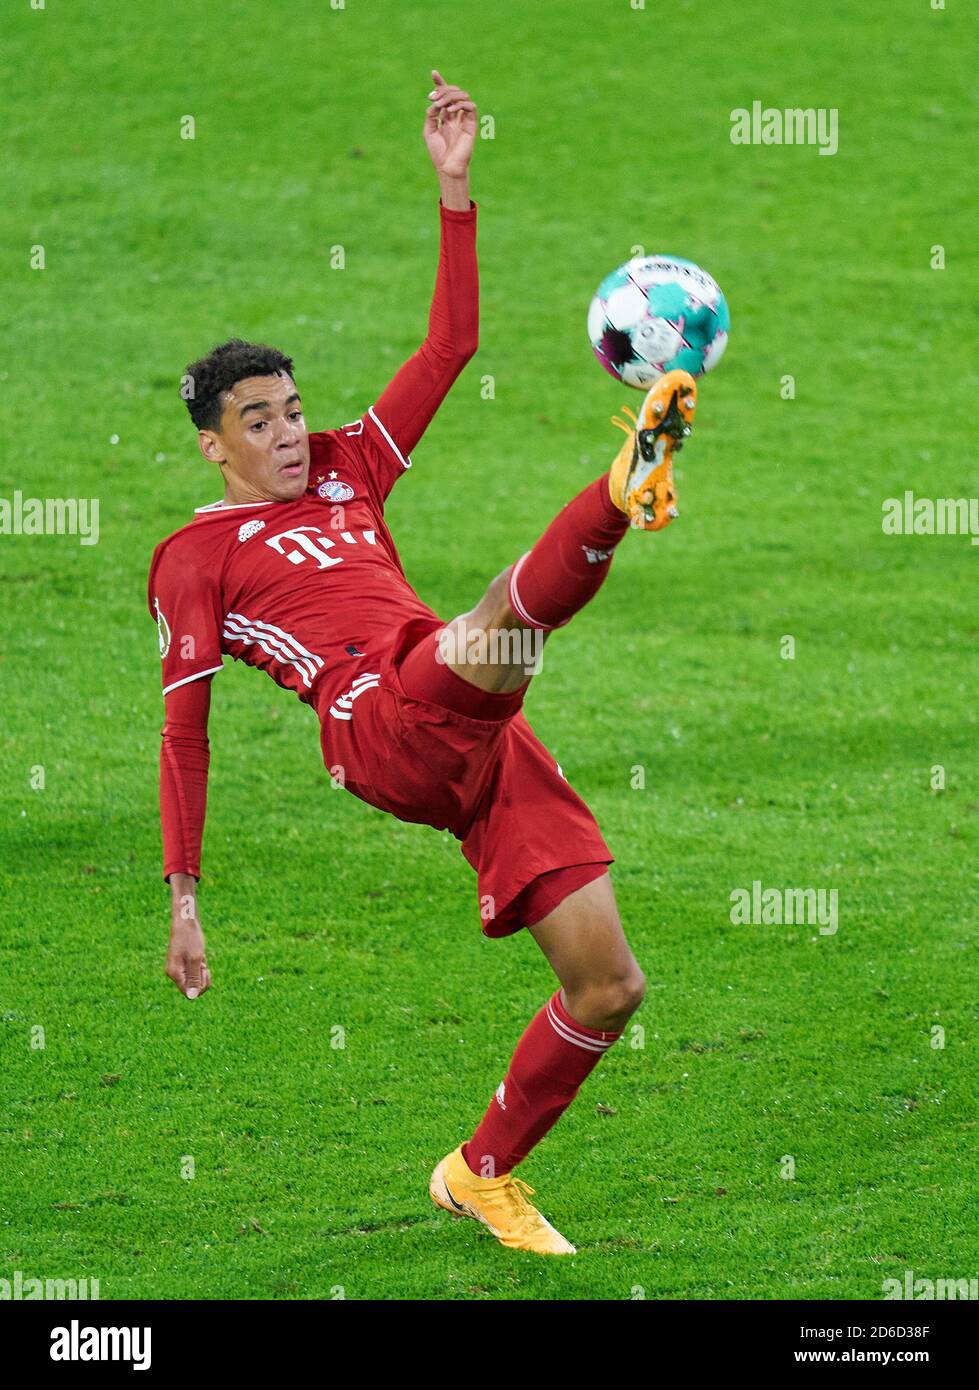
x: 263, y: 444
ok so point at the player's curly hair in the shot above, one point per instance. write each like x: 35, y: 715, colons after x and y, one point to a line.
x: 204, y: 381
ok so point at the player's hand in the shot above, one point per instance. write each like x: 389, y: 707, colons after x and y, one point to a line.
x: 450, y: 127
x: 186, y: 957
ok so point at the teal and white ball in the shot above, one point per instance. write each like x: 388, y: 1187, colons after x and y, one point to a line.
x: 655, y: 314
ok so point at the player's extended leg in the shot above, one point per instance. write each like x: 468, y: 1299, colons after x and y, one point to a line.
x: 602, y: 986
x: 582, y: 937
x: 565, y: 569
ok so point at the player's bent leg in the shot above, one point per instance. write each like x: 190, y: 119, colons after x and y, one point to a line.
x: 568, y: 565
x: 583, y: 940
x: 602, y: 986
x: 570, y: 562
x: 497, y: 646
x: 489, y: 646
x: 479, y: 664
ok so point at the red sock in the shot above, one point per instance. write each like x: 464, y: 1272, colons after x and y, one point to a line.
x: 569, y: 563
x: 552, y: 1059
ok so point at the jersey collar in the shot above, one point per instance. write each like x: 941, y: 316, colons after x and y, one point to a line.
x: 231, y: 506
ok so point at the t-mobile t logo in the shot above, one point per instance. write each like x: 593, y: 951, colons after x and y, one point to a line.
x: 310, y: 543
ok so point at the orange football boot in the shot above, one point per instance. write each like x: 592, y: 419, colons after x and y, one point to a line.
x: 641, y: 478
x: 499, y: 1203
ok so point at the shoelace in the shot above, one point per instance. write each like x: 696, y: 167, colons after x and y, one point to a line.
x: 527, y: 1216
x: 621, y: 424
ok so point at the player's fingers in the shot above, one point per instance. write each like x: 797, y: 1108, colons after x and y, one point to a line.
x: 193, y: 966
x: 447, y: 95
x: 451, y: 99
x: 205, y: 979
x: 460, y: 106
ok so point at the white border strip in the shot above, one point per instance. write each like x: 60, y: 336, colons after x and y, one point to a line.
x: 187, y: 679
x: 231, y: 506
x: 405, y: 463
x: 579, y: 1040
x: 515, y: 602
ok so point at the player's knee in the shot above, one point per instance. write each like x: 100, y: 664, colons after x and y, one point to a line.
x: 495, y: 603
x: 611, y: 1000
x: 626, y: 993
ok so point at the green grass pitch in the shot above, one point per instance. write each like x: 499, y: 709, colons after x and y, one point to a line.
x: 761, y: 1043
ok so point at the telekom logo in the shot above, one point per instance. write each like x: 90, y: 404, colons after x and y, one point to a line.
x: 310, y: 543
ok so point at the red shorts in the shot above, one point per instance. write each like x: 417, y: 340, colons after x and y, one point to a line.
x: 460, y: 759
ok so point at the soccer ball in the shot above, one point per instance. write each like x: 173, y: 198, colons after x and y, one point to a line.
x: 654, y: 314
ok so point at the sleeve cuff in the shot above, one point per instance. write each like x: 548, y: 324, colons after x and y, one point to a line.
x: 454, y: 215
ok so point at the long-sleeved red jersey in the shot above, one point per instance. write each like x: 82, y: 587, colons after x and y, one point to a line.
x: 300, y: 589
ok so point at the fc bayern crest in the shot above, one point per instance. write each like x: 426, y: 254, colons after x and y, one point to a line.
x: 335, y: 492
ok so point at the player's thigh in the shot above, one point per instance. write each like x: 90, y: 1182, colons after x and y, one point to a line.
x: 587, y: 949
x: 489, y: 646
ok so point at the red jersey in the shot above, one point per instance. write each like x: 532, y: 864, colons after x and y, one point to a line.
x: 299, y: 589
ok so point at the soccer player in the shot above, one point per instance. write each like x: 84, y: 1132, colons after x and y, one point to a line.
x: 294, y: 572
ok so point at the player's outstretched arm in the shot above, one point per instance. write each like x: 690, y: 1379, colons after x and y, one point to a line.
x: 407, y: 404
x: 184, y: 758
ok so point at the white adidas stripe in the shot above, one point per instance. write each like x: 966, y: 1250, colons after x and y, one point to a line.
x: 515, y: 596
x: 280, y: 645
x: 571, y: 1036
x: 274, y: 650
x: 274, y: 646
x: 278, y: 632
x: 361, y: 684
x: 367, y: 681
